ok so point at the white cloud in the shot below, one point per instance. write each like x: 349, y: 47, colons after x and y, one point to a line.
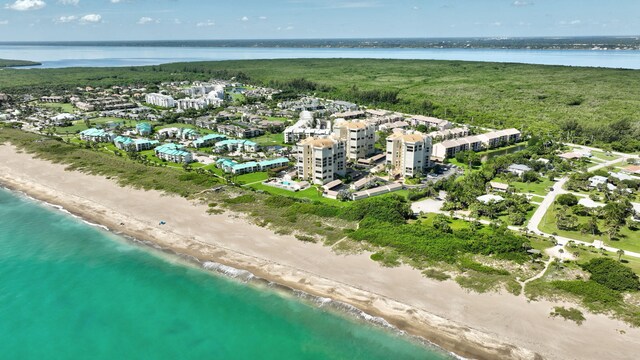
x: 354, y: 4
x: 572, y: 22
x: 145, y: 20
x: 521, y: 3
x: 26, y: 5
x: 206, y: 23
x: 262, y: 18
x: 244, y: 18
x: 116, y: 1
x: 65, y: 19
x: 4, y: 22
x: 91, y: 19
x: 177, y: 21
x: 69, y: 2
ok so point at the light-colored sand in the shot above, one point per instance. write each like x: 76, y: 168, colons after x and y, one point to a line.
x: 475, y: 325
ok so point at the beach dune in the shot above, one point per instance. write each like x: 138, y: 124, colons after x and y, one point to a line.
x: 483, y: 326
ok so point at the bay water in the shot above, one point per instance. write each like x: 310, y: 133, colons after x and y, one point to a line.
x: 58, y: 56
x: 69, y: 290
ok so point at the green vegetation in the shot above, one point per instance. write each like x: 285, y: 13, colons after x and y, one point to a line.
x: 612, y: 274
x: 62, y: 107
x: 537, y: 98
x: 127, y: 172
x: 270, y: 140
x: 600, y: 284
x: 607, y: 224
x: 572, y: 314
x: 16, y: 63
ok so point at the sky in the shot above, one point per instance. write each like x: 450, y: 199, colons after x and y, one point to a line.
x: 94, y: 20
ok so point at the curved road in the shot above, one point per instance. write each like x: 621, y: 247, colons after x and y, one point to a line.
x: 548, y: 201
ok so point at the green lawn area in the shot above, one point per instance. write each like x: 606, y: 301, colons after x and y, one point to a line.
x: 311, y: 194
x: 455, y: 224
x: 79, y: 125
x: 602, y: 156
x: 251, y: 178
x: 586, y: 253
x: 541, y: 188
x: 62, y: 107
x: 214, y: 169
x: 627, y: 238
x: 274, y: 118
x: 270, y: 140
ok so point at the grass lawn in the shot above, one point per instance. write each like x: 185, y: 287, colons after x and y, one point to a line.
x: 79, y: 125
x: 603, y: 156
x: 455, y: 224
x: 541, y: 188
x: 274, y: 118
x: 214, y: 169
x: 270, y: 140
x: 309, y: 194
x: 627, y: 239
x: 252, y: 178
x: 62, y: 107
x: 586, y: 253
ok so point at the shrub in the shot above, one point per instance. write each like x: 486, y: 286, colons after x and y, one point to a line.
x: 612, y: 274
x: 592, y: 293
x: 572, y: 314
x: 242, y: 199
x: 567, y: 200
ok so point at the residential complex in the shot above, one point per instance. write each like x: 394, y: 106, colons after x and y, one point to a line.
x: 360, y: 138
x: 232, y: 166
x: 321, y: 160
x: 129, y: 144
x: 408, y: 154
x: 208, y: 140
x: 160, y: 100
x: 174, y: 153
x: 305, y: 128
x: 449, y: 148
x: 96, y: 135
x: 236, y: 145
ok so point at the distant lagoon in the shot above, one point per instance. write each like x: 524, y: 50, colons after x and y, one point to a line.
x: 109, y: 56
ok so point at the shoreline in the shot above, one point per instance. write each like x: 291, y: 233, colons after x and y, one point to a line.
x: 244, y: 276
x: 220, y: 267
x: 482, y: 326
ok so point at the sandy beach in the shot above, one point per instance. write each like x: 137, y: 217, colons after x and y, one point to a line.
x: 482, y: 326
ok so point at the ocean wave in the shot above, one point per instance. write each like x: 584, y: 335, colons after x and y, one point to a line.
x: 229, y: 271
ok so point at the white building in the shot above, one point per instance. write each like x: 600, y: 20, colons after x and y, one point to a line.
x: 305, y: 128
x: 360, y: 138
x: 160, y: 100
x: 321, y: 160
x: 409, y: 154
x: 431, y: 122
x: 518, y: 169
x: 499, y: 138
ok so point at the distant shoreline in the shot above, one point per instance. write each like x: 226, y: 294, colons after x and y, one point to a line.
x: 8, y: 63
x: 631, y: 42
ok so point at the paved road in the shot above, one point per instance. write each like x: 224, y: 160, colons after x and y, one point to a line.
x: 548, y: 201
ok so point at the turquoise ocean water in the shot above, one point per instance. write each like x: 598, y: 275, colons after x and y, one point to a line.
x: 69, y: 290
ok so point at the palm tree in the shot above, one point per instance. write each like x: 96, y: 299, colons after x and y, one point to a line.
x: 620, y: 253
